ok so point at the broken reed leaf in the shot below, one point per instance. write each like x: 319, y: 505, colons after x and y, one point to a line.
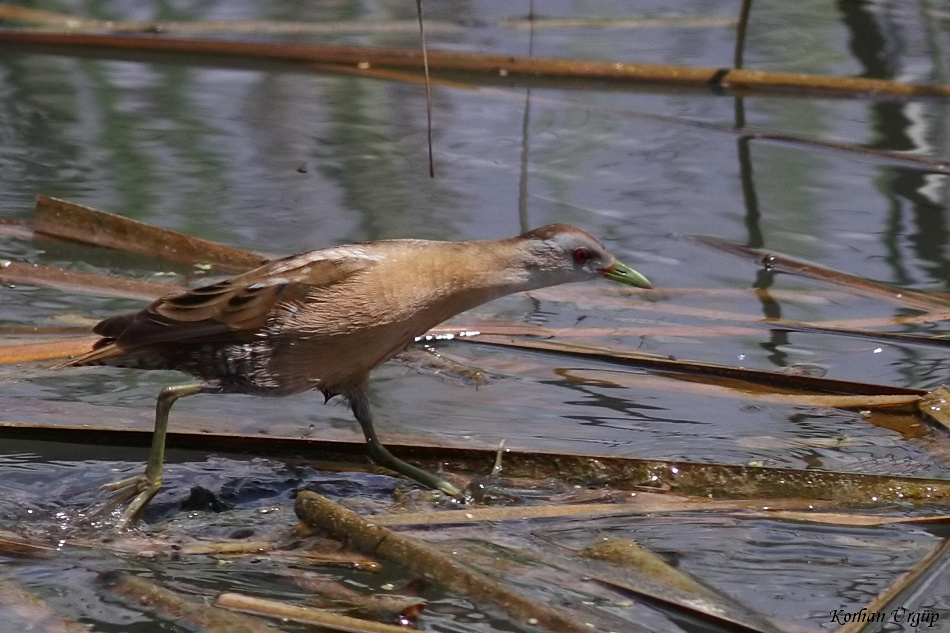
x: 45, y: 350
x: 934, y: 164
x: 888, y: 337
x: 82, y: 282
x: 847, y: 519
x: 643, y: 573
x: 539, y: 22
x: 626, y: 552
x: 24, y: 15
x: 15, y: 228
x: 637, y: 504
x: 707, y: 78
x: 915, y: 586
x: 389, y: 74
x: 143, y: 545
x: 656, y: 363
x: 226, y: 548
x: 620, y: 299
x: 926, y: 317
x: 772, y: 261
x: 343, y: 560
x: 726, y: 388
x: 692, y: 331
x: 67, y: 220
x: 305, y: 615
x: 336, y: 594
x: 935, y: 406
x: 716, y: 612
x: 142, y: 594
x: 115, y: 426
x: 15, y: 546
x: 549, y: 574
x: 13, y: 332
x: 517, y: 329
x: 727, y: 481
x: 423, y: 559
x: 838, y: 328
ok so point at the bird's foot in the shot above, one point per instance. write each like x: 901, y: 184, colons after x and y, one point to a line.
x: 487, y: 489
x: 136, y: 491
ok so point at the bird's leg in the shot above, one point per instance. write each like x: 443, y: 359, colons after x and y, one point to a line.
x: 381, y: 455
x: 139, y: 490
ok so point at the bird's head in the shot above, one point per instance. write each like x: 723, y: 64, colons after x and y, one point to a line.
x: 560, y: 253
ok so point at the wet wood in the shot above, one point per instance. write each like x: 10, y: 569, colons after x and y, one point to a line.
x: 187, y: 612
x: 907, y: 591
x: 337, y: 595
x: 715, y: 481
x: 719, y: 79
x: 614, y: 298
x: 656, y: 363
x: 304, y: 615
x: 935, y: 406
x: 68, y: 220
x: 739, y: 390
x: 26, y: 15
x: 420, y: 558
x: 227, y: 548
x: 626, y: 552
x: 783, y: 263
x: 18, y: 229
x: 637, y: 503
x: 274, y: 27
x: 19, y: 331
x: 45, y: 350
x: 644, y: 573
x: 851, y: 519
x: 82, y: 282
x: 15, y: 546
x: 757, y: 326
x: 21, y: 610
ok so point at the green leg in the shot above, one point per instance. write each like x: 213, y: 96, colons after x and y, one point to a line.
x: 139, y: 490
x: 381, y: 455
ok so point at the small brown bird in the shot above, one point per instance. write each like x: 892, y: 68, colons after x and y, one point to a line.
x: 324, y: 319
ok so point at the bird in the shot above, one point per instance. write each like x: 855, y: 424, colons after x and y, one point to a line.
x: 323, y: 320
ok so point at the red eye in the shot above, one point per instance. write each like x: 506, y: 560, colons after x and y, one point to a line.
x: 582, y: 255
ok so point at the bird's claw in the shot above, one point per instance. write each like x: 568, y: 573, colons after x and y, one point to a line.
x: 137, y: 491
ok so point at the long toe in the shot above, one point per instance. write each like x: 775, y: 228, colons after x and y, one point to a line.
x: 136, y: 491
x: 129, y: 487
x: 136, y: 506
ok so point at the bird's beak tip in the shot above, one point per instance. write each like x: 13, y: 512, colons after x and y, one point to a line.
x: 622, y: 273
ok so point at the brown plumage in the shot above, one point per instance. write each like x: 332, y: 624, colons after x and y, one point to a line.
x: 324, y: 319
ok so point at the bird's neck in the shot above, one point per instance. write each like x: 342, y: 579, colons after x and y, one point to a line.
x: 462, y: 275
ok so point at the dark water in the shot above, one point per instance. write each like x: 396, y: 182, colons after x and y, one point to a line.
x: 282, y: 162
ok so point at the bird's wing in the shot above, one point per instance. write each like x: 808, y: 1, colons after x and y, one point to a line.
x: 240, y: 304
